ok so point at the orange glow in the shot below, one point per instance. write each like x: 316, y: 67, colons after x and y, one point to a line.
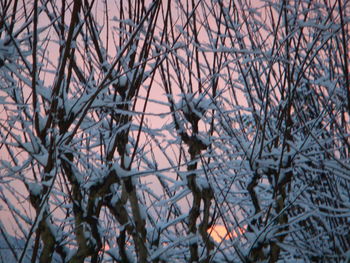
x: 219, y: 233
x: 105, y: 247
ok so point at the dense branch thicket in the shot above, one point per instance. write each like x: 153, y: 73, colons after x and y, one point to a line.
x: 133, y: 131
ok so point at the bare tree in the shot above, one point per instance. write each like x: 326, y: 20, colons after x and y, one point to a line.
x: 131, y: 130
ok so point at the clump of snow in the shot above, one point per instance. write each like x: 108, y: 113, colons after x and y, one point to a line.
x: 6, y: 51
x: 143, y: 211
x: 202, y: 183
x: 35, y: 188
x: 193, y: 103
x: 204, y: 138
x: 124, y: 173
x: 123, y: 81
x: 42, y: 158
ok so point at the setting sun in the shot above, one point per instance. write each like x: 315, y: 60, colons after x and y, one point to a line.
x: 219, y: 232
